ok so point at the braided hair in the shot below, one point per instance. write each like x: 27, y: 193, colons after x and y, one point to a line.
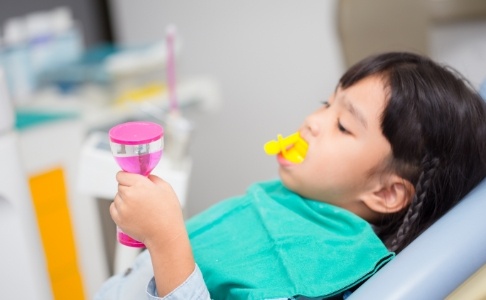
x: 436, y: 125
x: 415, y: 207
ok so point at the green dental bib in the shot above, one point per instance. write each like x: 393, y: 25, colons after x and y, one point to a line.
x: 271, y: 243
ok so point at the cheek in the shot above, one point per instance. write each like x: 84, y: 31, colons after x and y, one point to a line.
x: 341, y: 163
x: 377, y: 152
x: 329, y: 157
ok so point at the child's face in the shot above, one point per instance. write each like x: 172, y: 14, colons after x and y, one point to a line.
x: 345, y: 145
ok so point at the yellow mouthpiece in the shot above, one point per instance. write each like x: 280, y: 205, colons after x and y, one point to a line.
x: 292, y: 147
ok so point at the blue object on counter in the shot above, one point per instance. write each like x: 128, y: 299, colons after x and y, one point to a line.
x: 29, y: 118
x: 89, y: 68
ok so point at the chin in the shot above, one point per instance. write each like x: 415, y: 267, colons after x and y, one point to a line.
x: 289, y: 182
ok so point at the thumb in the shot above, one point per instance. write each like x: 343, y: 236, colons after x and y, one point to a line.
x: 157, y: 180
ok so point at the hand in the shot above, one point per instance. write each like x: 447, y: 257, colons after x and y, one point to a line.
x: 147, y: 209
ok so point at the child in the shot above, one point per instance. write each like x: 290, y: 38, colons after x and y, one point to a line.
x: 398, y: 144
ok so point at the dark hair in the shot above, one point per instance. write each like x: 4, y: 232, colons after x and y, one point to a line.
x: 436, y: 125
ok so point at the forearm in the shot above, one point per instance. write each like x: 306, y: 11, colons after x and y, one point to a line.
x: 172, y: 262
x: 193, y: 288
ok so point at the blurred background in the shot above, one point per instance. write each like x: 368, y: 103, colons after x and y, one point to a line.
x: 246, y: 71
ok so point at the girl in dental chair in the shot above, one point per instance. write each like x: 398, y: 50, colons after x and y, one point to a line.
x: 397, y: 145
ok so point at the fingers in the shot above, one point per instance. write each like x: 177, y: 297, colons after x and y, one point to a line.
x: 114, y: 212
x: 127, y: 189
x: 123, y: 190
x: 127, y: 179
x: 121, y: 178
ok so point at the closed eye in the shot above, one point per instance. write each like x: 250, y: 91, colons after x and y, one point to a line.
x: 342, y: 129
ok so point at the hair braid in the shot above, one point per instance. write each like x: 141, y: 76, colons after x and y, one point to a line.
x: 428, y: 171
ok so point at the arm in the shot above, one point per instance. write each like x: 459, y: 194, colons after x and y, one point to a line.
x: 132, y: 284
x: 193, y: 288
x: 147, y: 209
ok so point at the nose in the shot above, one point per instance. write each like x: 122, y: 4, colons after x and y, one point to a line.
x: 311, y: 125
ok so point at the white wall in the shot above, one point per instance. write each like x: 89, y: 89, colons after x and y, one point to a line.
x: 275, y: 60
x: 461, y: 45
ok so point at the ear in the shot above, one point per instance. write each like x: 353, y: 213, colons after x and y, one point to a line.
x: 390, y: 196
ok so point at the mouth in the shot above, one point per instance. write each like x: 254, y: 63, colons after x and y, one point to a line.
x: 282, y: 161
x: 296, y: 152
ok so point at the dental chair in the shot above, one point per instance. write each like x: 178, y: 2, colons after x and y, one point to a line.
x: 439, y: 260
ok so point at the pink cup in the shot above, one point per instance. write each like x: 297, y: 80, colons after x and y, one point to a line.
x: 137, y: 148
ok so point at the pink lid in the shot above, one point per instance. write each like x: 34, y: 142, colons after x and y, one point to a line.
x: 136, y: 133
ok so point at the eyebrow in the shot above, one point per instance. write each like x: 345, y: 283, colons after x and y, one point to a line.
x: 355, y: 112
